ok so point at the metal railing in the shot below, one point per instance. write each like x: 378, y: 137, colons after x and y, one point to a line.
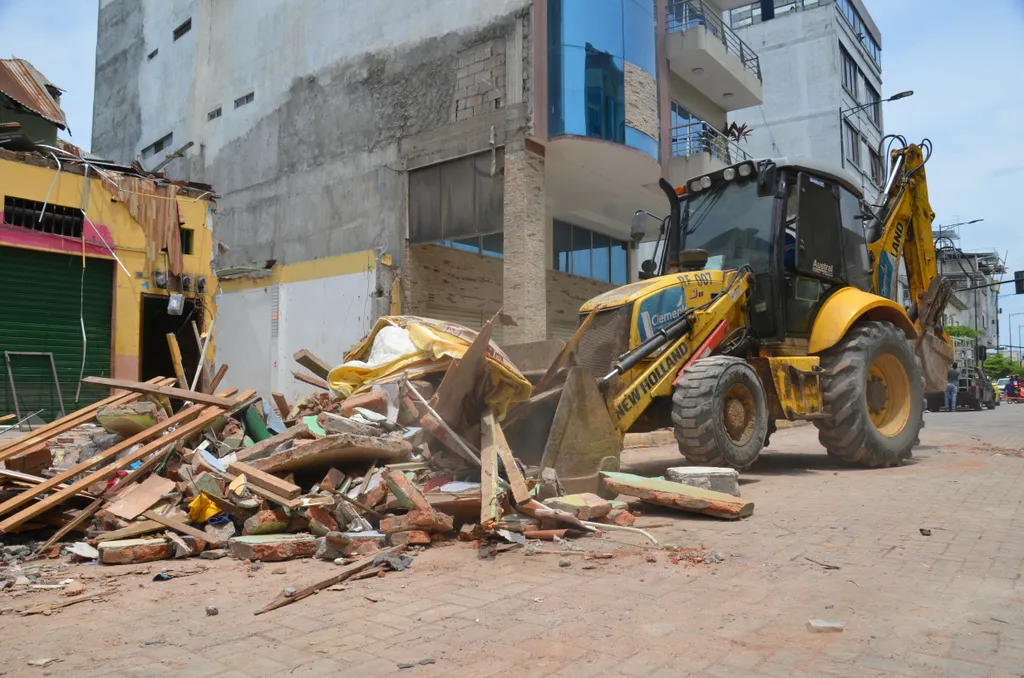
x: 685, y: 14
x: 700, y: 137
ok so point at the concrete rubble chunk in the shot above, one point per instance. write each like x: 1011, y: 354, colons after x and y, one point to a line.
x: 427, y: 520
x: 269, y: 547
x: 585, y: 506
x: 823, y: 626
x: 126, y: 551
x: 335, y: 450
x: 677, y: 495
x: 266, y: 522
x: 714, y: 478
x: 214, y: 554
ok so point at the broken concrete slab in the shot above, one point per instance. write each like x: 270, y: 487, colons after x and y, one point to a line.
x: 585, y: 506
x: 266, y: 522
x: 130, y: 419
x: 427, y: 520
x: 272, y: 546
x: 676, y: 495
x: 335, y: 450
x: 714, y: 478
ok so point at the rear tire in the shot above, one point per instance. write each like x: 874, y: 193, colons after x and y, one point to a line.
x: 719, y: 413
x: 991, y: 405
x: 872, y: 392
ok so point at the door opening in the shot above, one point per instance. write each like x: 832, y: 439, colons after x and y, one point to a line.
x: 154, y: 354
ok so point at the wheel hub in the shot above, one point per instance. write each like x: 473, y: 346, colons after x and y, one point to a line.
x: 738, y: 414
x: 887, y: 392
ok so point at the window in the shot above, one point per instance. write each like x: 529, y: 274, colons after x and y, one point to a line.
x: 158, y: 146
x: 214, y: 114
x: 187, y: 236
x: 247, y: 99
x: 57, y: 219
x: 152, y: 54
x: 585, y: 253
x: 875, y: 109
x: 877, y: 169
x: 852, y: 138
x: 183, y: 29
x: 457, y: 200
x: 490, y: 245
x: 850, y: 70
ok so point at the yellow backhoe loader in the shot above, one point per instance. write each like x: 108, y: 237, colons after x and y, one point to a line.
x: 771, y: 296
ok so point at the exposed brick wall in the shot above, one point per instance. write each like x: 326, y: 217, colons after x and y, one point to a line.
x: 641, y: 100
x: 525, y: 224
x: 480, y: 83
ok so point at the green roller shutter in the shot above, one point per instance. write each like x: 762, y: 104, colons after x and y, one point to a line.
x: 40, y: 295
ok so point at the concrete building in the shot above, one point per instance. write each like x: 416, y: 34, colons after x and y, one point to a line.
x: 976, y: 306
x: 90, y: 256
x: 823, y: 61
x: 447, y: 158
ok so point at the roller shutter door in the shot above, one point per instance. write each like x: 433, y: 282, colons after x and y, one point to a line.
x: 473, y: 320
x: 40, y: 297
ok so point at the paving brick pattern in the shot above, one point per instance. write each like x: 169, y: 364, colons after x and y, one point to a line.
x: 944, y: 605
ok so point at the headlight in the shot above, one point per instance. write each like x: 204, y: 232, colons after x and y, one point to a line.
x: 745, y: 169
x: 695, y: 186
x: 705, y: 182
x: 729, y: 174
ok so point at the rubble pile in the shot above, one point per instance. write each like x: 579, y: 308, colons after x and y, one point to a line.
x: 402, y: 446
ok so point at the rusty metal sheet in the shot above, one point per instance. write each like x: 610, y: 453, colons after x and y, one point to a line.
x: 20, y: 81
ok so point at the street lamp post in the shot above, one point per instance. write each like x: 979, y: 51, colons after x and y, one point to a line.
x: 847, y: 112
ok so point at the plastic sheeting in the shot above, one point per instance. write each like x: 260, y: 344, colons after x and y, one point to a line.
x: 411, y: 346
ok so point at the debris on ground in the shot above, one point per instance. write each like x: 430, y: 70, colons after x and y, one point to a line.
x: 408, y: 444
x: 822, y: 626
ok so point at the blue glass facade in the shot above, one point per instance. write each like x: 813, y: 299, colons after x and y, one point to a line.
x: 589, y: 42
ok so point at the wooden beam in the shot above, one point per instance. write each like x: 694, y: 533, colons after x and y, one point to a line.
x: 139, y: 387
x: 281, y: 403
x: 266, y: 447
x: 490, y: 511
x: 320, y: 368
x: 177, y: 526
x: 133, y: 530
x: 179, y: 371
x: 6, y: 417
x: 312, y: 381
x: 267, y: 494
x: 208, y: 416
x: 215, y: 382
x: 203, y: 367
x: 265, y: 480
x: 55, y: 428
x: 494, y: 437
x: 109, y: 453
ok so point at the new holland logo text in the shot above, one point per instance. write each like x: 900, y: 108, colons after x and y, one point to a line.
x: 897, y: 239
x: 651, y: 380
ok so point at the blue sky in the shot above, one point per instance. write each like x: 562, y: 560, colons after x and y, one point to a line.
x: 964, y: 62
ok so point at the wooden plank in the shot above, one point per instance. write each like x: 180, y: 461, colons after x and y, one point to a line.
x: 177, y: 526
x: 133, y: 530
x: 312, y: 381
x: 267, y: 494
x: 265, y: 480
x: 203, y: 367
x: 110, y: 453
x: 335, y: 450
x: 320, y: 368
x: 55, y: 428
x: 494, y: 437
x: 215, y: 382
x: 283, y: 408
x: 490, y: 511
x: 139, y: 387
x: 463, y: 377
x: 136, y: 499
x: 337, y: 578
x: 6, y: 417
x: 179, y: 371
x: 265, y: 447
x: 206, y: 418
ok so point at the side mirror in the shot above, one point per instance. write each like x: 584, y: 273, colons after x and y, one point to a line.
x: 646, y: 269
x: 767, y: 175
x: 637, y: 229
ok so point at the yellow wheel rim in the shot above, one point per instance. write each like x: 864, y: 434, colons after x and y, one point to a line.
x: 888, y: 395
x: 739, y: 414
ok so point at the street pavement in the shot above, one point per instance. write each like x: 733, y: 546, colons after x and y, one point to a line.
x: 825, y: 542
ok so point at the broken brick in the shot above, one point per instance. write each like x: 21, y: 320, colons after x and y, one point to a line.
x: 126, y: 551
x: 321, y: 522
x: 622, y: 517
x: 376, y: 401
x: 269, y: 547
x: 428, y: 520
x: 407, y: 494
x: 266, y: 522
x: 585, y: 506
x: 419, y: 537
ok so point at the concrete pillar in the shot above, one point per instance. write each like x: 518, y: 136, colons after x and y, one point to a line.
x: 525, y: 271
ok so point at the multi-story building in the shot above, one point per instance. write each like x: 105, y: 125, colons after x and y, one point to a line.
x: 972, y: 275
x: 823, y: 60
x: 450, y: 158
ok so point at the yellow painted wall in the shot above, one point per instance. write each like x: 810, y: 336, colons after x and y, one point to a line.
x: 29, y: 182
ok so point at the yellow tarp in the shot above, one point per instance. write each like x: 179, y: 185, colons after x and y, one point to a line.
x: 425, y: 346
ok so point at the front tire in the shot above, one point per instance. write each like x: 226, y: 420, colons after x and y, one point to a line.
x: 872, y: 392
x: 719, y: 413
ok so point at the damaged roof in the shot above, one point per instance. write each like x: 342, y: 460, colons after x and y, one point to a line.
x: 27, y: 87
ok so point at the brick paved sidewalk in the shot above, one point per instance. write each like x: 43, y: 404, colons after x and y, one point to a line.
x: 948, y: 604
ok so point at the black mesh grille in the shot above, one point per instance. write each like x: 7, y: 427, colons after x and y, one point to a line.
x: 605, y: 340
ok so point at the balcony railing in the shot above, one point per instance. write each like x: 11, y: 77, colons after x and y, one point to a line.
x: 700, y: 137
x: 684, y: 14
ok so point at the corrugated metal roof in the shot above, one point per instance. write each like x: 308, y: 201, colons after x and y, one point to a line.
x: 20, y: 81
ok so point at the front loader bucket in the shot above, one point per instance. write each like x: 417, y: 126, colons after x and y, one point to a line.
x: 935, y: 353
x: 570, y: 430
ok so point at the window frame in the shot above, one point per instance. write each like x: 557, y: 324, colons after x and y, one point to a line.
x: 848, y: 70
x: 852, y: 137
x: 611, y: 276
x: 877, y: 167
x: 875, y: 99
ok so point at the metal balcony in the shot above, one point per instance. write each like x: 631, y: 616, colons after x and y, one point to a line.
x: 698, y: 148
x: 709, y: 55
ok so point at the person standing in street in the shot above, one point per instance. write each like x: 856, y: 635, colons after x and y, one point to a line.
x: 952, y: 386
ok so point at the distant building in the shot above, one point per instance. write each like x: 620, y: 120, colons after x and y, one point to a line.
x: 978, y: 305
x: 822, y: 60
x: 31, y: 101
